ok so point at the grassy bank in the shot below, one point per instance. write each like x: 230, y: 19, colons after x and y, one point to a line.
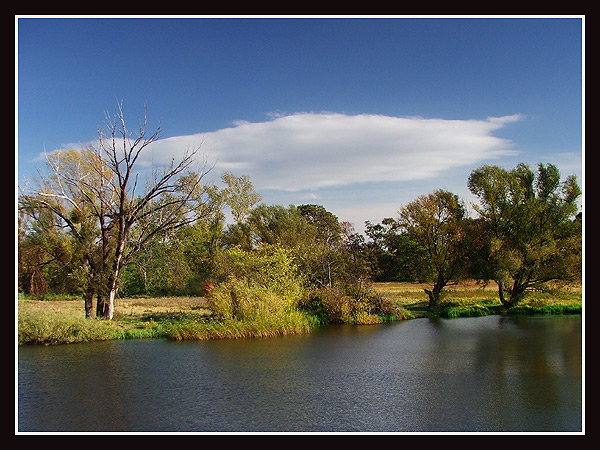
x: 470, y: 299
x: 55, y: 320
x: 63, y: 321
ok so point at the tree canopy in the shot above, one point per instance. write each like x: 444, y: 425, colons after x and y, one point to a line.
x: 530, y: 221
x: 436, y: 223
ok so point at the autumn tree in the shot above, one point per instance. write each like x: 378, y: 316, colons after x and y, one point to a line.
x: 435, y: 222
x: 530, y: 220
x: 65, y: 203
x: 239, y: 195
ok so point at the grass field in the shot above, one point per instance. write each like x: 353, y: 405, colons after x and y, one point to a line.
x: 55, y: 320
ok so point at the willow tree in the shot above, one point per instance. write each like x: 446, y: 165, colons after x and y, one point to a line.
x: 436, y: 223
x: 65, y: 202
x: 102, y: 194
x: 534, y: 236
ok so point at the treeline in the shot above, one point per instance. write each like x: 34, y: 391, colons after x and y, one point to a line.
x: 527, y: 233
x: 84, y: 230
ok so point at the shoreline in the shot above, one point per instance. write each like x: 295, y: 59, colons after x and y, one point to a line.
x: 44, y: 330
x: 60, y: 320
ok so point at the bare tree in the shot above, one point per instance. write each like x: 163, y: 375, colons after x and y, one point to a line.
x: 165, y: 199
x: 104, y: 187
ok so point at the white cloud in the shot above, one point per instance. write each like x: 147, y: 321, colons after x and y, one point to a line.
x: 308, y: 151
x: 360, y: 167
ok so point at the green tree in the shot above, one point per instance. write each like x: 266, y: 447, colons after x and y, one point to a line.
x: 239, y: 194
x: 325, y: 257
x: 67, y: 202
x: 533, y: 237
x: 181, y: 261
x: 436, y: 223
x: 313, y: 235
x: 46, y: 259
x: 329, y: 229
x: 268, y: 224
x: 396, y: 255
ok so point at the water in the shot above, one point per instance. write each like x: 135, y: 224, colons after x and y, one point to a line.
x: 493, y: 374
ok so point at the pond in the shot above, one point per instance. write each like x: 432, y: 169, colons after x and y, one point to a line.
x: 489, y: 374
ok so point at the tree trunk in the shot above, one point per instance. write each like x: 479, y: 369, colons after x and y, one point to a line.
x: 516, y: 294
x: 431, y: 298
x: 89, y: 306
x: 501, y: 294
x: 101, y: 305
x: 434, y: 296
x: 109, y: 311
x: 109, y: 308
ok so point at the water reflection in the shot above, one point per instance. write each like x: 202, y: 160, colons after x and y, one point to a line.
x: 499, y: 373
x: 481, y: 374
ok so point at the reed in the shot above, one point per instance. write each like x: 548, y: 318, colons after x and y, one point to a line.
x: 293, y: 322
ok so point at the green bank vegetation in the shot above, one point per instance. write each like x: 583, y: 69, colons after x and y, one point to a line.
x: 162, y: 261
x: 55, y: 320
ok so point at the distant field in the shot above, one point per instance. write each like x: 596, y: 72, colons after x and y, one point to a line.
x: 138, y: 307
x: 412, y: 292
x: 469, y: 293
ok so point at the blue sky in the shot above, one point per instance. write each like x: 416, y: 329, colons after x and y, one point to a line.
x: 361, y: 115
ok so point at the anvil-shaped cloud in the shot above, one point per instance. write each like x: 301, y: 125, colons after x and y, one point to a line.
x: 306, y: 151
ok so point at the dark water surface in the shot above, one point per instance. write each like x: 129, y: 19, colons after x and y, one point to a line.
x: 489, y: 374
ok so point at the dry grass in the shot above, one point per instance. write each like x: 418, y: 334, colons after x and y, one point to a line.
x: 63, y: 308
x: 141, y: 307
x: 134, y: 308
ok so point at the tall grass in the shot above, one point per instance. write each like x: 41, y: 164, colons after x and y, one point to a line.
x: 48, y: 328
x: 294, y: 322
x: 64, y: 322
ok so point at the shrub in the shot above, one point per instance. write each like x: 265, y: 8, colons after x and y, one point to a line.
x: 236, y: 299
x: 366, y: 306
x: 255, y: 284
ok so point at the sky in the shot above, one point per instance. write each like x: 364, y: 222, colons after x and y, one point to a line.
x: 359, y: 114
